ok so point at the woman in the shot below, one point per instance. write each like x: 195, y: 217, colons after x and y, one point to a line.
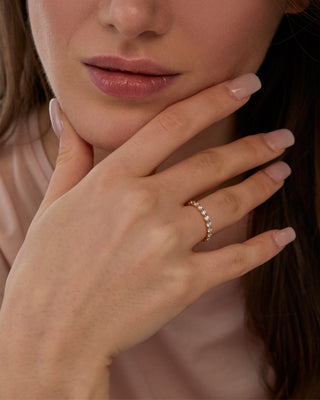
x: 113, y: 291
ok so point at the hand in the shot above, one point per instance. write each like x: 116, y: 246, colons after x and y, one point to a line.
x: 108, y: 260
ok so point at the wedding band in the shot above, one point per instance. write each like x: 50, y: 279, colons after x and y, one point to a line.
x: 206, y: 218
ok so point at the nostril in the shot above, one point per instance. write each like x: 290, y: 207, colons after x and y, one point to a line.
x: 132, y: 18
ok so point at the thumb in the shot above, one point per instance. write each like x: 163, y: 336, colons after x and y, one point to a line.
x: 74, y: 161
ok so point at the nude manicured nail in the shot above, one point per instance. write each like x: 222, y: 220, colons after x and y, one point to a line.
x: 279, y: 139
x: 244, y: 86
x: 54, y: 112
x: 278, y: 171
x: 285, y: 236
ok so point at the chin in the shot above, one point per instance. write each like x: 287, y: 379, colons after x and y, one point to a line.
x: 114, y: 135
x: 108, y: 128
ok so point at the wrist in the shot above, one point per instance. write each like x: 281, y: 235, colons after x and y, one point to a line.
x: 54, y: 385
x: 25, y: 375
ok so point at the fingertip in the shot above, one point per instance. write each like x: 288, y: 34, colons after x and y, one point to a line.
x: 284, y: 236
x: 244, y: 86
x: 56, y: 117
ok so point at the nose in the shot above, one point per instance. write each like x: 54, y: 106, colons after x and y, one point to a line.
x: 133, y: 18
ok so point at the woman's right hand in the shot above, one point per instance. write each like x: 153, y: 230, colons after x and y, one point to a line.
x: 108, y: 259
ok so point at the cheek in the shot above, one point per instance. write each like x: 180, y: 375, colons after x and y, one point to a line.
x: 226, y: 38
x: 230, y: 37
x: 53, y: 24
x: 60, y: 28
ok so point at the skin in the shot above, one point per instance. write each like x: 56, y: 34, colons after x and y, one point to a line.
x: 234, y: 37
x: 83, y: 310
x: 65, y: 341
x: 226, y: 39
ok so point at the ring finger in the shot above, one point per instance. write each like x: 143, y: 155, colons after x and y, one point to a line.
x: 209, y: 168
x: 229, y: 205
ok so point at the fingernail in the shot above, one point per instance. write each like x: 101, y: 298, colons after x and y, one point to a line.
x: 279, y: 139
x: 278, y: 171
x: 244, y: 86
x: 55, y: 117
x: 285, y: 236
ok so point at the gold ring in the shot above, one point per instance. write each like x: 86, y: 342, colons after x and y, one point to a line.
x: 206, y: 218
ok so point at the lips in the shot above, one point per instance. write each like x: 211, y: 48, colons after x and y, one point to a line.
x: 128, y: 78
x: 125, y: 71
x: 135, y: 66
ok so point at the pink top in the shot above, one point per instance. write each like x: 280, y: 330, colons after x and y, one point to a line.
x: 204, y: 353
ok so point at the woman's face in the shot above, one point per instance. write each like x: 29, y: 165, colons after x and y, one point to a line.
x: 204, y: 41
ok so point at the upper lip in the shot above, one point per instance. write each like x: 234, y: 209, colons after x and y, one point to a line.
x: 136, y: 66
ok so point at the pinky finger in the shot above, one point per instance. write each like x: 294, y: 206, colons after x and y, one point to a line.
x: 230, y: 262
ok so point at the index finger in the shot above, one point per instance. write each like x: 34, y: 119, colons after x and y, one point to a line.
x: 178, y: 123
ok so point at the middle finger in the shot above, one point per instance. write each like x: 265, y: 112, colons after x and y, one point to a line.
x: 210, y: 168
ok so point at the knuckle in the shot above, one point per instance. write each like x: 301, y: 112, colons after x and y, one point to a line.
x: 103, y: 183
x: 231, y: 201
x: 172, y: 120
x: 265, y: 185
x: 167, y: 236
x: 252, y: 148
x: 239, y: 260
x: 184, y: 279
x: 210, y: 159
x: 141, y: 200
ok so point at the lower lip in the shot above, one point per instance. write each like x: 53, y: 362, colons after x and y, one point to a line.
x: 121, y: 84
